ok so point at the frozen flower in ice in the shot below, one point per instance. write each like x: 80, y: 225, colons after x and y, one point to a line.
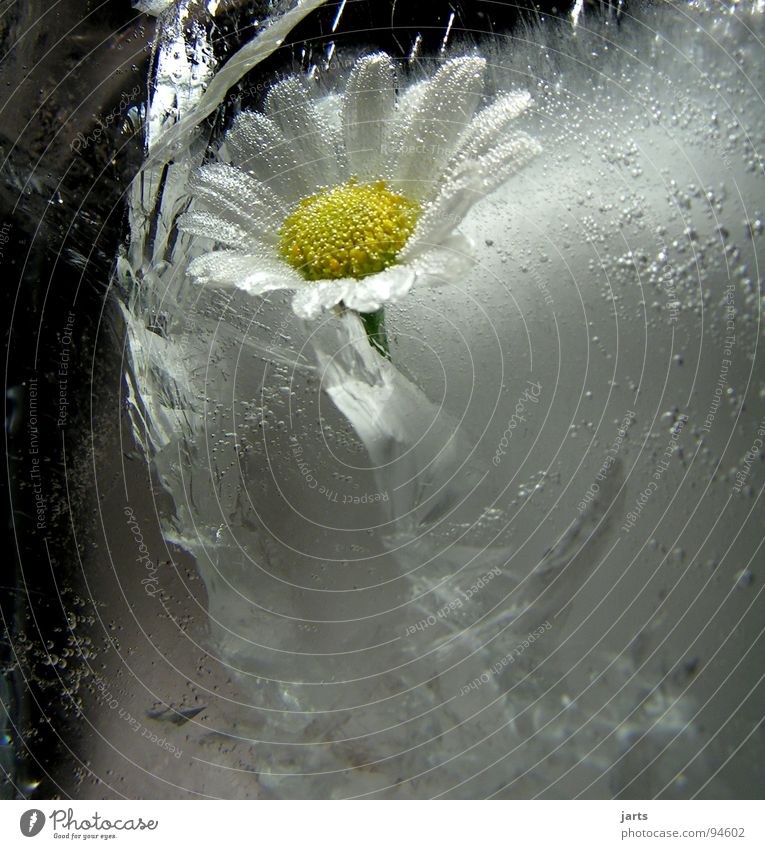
x: 352, y: 199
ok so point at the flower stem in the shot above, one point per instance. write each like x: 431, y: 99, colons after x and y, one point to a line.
x: 374, y: 324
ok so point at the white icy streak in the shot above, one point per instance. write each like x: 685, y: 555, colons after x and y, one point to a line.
x: 185, y: 91
x: 416, y: 447
x: 179, y: 77
x: 244, y: 60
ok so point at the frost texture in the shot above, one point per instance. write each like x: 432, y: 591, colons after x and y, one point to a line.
x: 380, y: 543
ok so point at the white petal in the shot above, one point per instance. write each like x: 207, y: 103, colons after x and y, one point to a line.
x: 407, y: 106
x: 446, y: 262
x: 317, y: 296
x: 503, y: 161
x: 268, y: 279
x: 253, y: 273
x: 368, y: 107
x: 446, y: 106
x: 222, y: 267
x: 472, y: 180
x: 442, y: 264
x: 330, y: 112
x: 289, y: 106
x: 491, y: 123
x: 256, y: 145
x: 209, y: 226
x: 370, y: 293
x: 238, y: 198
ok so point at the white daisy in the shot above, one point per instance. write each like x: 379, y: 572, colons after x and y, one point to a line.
x: 352, y: 199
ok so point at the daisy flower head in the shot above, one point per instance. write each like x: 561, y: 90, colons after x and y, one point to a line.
x: 353, y: 199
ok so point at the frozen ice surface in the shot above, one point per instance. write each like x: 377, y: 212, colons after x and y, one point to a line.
x: 496, y: 565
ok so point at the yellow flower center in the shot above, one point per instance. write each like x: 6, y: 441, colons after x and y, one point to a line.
x: 351, y: 230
